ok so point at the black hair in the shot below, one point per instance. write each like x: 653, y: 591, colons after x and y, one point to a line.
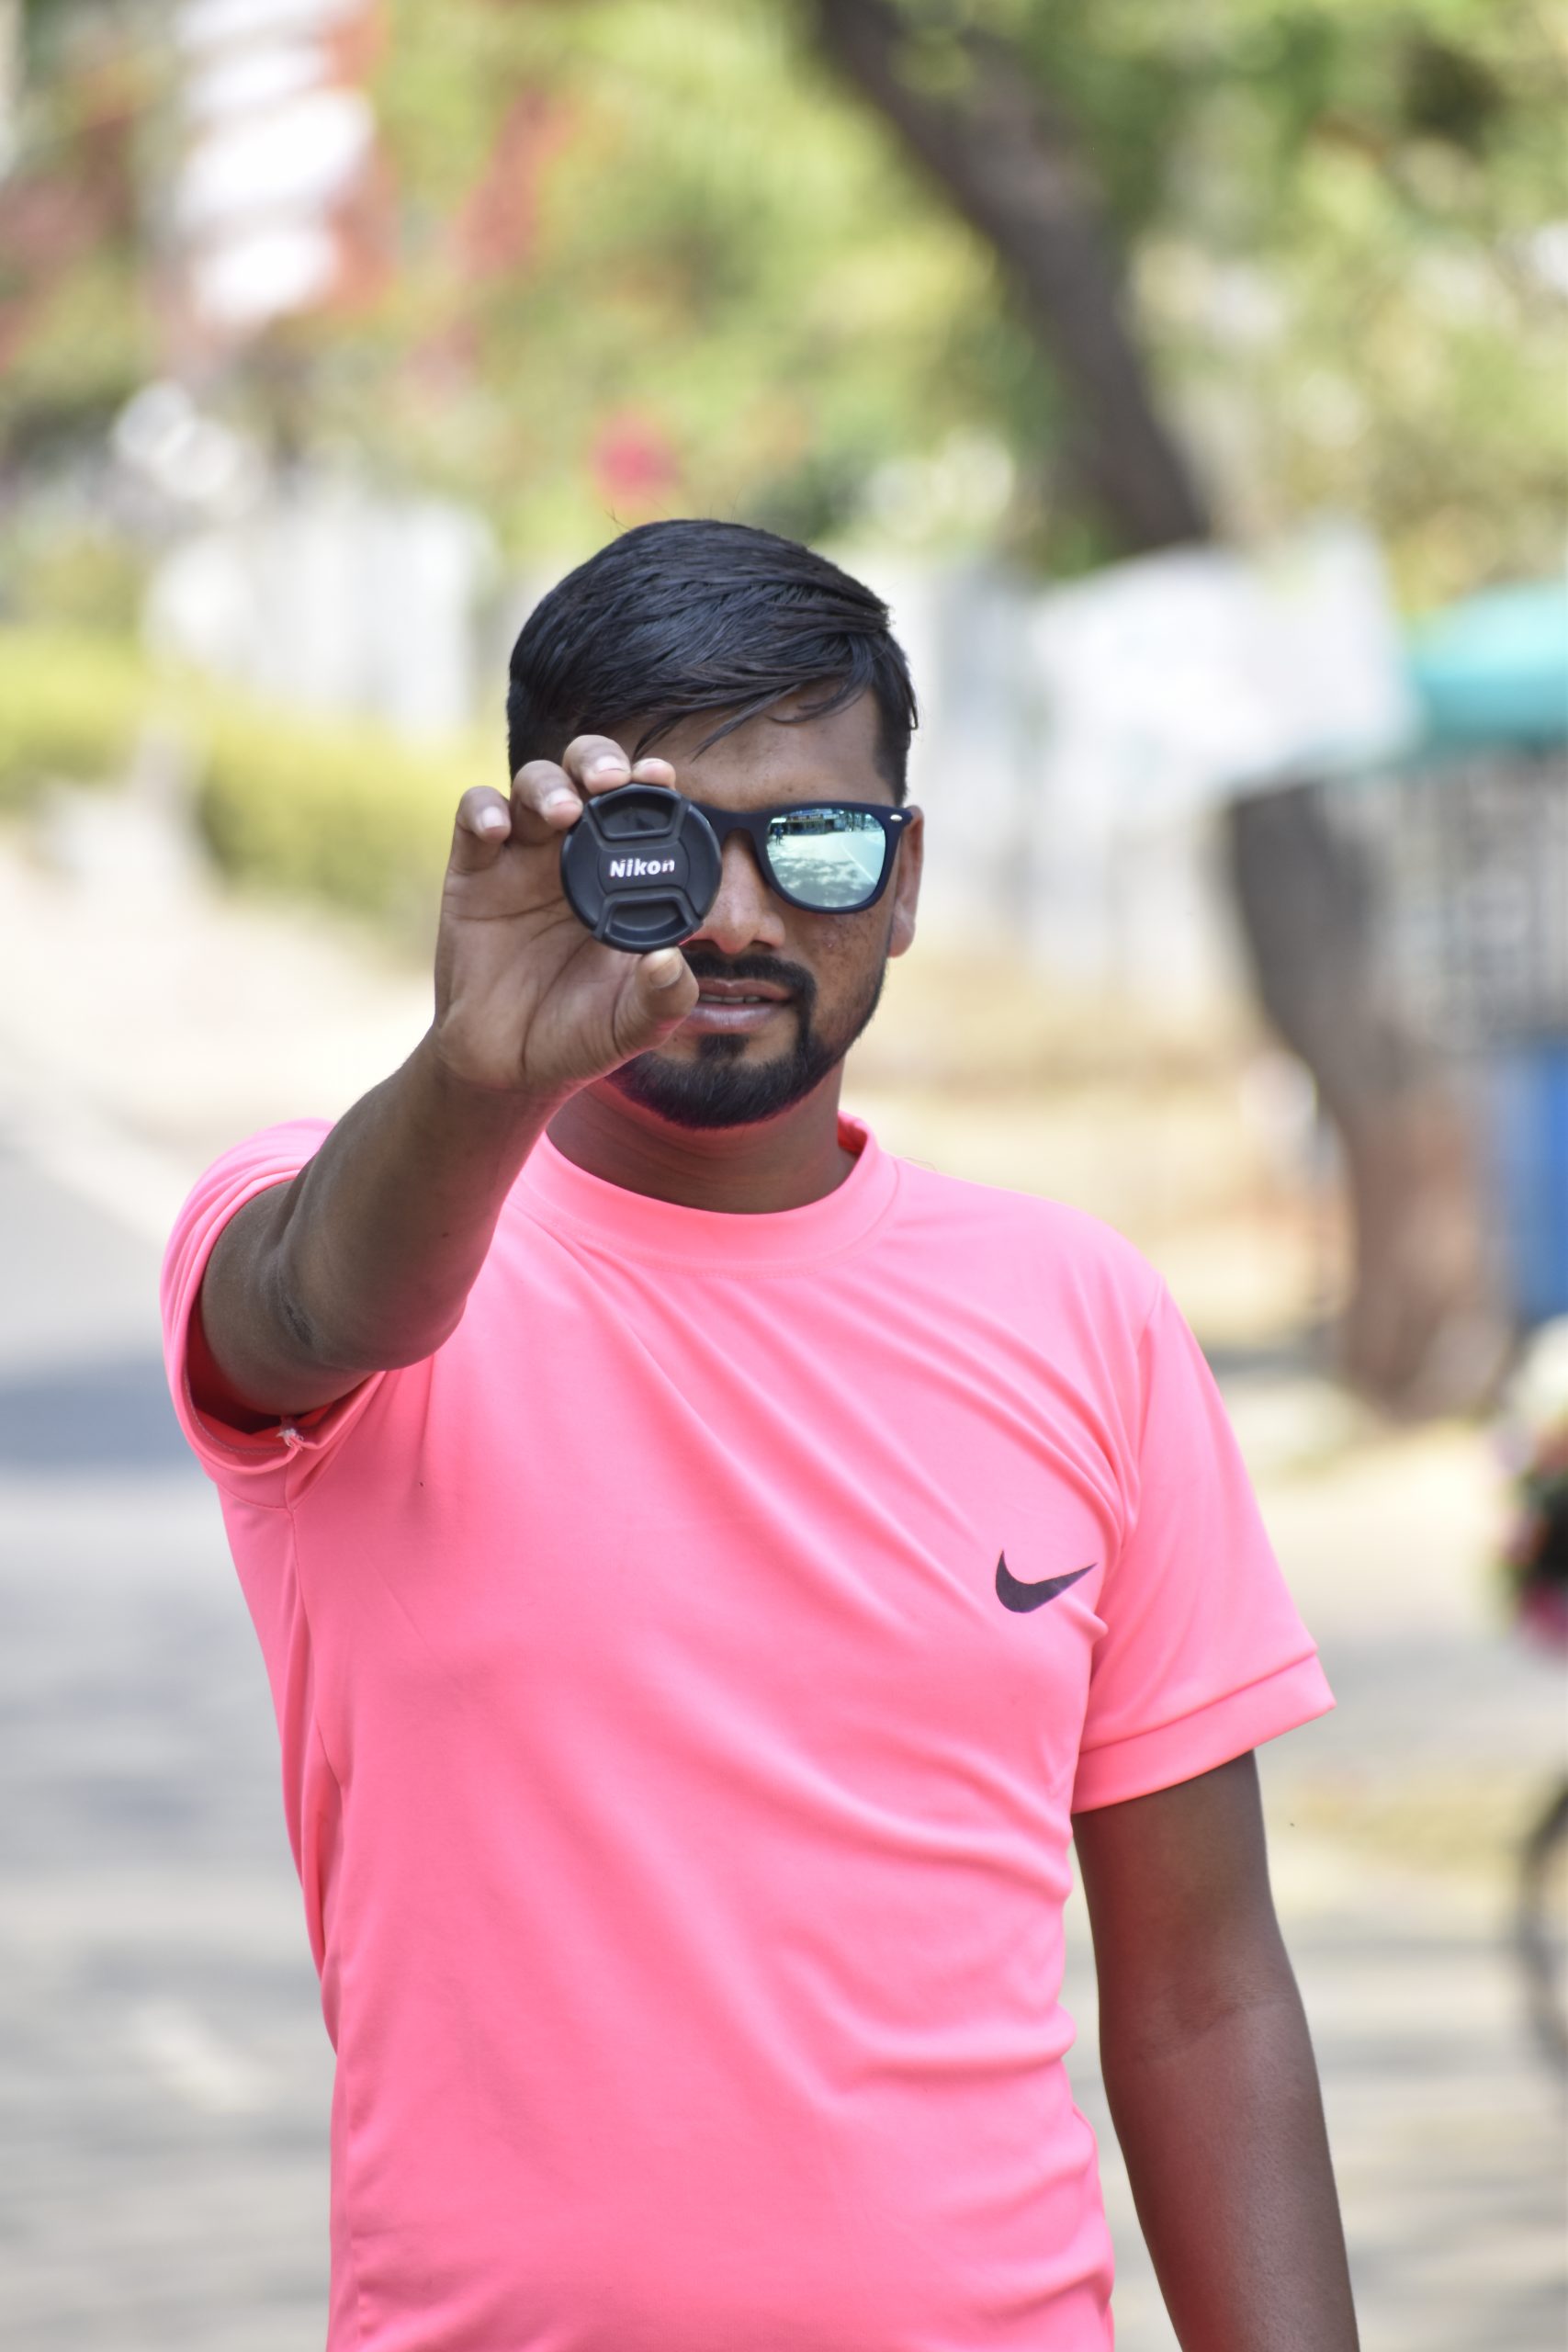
x: 679, y: 617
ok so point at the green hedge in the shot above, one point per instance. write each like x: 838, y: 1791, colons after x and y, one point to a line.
x: 318, y: 809
x: 69, y: 707
x: 346, y: 814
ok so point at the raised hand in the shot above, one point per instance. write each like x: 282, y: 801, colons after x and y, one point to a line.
x: 525, y: 1001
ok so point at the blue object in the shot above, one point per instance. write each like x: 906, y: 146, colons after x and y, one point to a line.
x: 1494, y: 669
x: 1526, y: 1085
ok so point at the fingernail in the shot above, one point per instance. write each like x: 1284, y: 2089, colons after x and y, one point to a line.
x: 493, y: 820
x: 608, y: 767
x: 560, y: 800
x: 665, y: 968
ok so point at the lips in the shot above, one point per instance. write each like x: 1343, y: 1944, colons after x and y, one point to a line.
x: 732, y: 1016
x: 743, y: 996
x: 740, y: 992
x: 735, y: 1008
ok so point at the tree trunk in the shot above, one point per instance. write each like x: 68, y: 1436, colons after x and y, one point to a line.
x: 1008, y: 163
x: 1424, y: 1331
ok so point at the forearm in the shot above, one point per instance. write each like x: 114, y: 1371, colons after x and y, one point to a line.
x: 390, y: 1224
x: 1221, y: 2127
x: 365, y: 1260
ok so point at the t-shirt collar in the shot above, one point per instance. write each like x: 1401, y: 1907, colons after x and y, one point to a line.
x: 565, y: 1198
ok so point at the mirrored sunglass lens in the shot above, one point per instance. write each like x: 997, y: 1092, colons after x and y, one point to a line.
x: 830, y: 857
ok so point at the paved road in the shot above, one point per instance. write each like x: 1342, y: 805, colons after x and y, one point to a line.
x: 163, y: 2075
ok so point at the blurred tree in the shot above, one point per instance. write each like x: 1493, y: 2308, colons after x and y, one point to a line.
x: 1426, y: 1329
x: 1346, y: 231
x: 1337, y: 237
x: 654, y: 257
x: 1303, y: 252
x: 75, y: 337
x: 992, y: 135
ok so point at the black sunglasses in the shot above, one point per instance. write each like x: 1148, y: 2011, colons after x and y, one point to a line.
x: 828, y: 856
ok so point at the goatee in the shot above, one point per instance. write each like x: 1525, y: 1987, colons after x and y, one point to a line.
x: 717, y: 1087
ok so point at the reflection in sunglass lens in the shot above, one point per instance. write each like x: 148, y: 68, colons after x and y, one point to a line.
x: 829, y: 857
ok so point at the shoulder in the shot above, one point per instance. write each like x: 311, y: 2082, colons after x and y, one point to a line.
x: 276, y: 1153
x: 1028, y: 1240
x: 274, y: 1156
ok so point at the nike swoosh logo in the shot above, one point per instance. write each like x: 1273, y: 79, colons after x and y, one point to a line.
x: 1015, y: 1594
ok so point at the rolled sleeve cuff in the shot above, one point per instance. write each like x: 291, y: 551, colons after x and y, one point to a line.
x: 1211, y: 1735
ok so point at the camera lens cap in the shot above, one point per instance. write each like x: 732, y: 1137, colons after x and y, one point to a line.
x: 641, y: 867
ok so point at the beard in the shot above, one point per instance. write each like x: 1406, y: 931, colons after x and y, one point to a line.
x: 717, y: 1087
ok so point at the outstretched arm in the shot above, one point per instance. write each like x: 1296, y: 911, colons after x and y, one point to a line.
x: 1209, y: 2070
x: 365, y: 1261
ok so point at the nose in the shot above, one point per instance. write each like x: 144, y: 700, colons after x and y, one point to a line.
x: 745, y: 914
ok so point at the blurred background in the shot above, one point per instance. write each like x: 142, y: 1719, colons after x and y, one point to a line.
x: 1195, y: 383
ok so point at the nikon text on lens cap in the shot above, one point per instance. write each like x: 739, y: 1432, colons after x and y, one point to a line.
x: 641, y: 867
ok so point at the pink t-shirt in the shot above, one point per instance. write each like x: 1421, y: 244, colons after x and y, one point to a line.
x: 679, y: 1784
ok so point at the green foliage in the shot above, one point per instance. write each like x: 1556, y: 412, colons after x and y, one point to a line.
x: 76, y: 329
x: 715, y: 258
x: 1336, y: 210
x: 344, y: 813
x: 63, y: 569
x: 650, y: 256
x: 720, y: 255
x: 320, y: 810
x: 69, y: 707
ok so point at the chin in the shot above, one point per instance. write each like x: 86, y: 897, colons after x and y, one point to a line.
x: 721, y: 1090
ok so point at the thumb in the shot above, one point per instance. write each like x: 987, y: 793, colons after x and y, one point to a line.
x: 661, y: 992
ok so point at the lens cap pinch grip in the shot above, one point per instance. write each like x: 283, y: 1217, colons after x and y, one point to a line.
x: 641, y: 867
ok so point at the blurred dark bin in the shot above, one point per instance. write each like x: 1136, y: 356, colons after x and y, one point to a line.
x: 1525, y: 1093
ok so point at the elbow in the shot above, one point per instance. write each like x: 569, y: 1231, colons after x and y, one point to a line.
x: 1140, y: 2032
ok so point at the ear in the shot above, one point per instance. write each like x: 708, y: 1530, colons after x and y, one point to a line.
x: 905, y: 885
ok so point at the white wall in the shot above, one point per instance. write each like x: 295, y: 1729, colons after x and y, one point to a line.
x: 337, y: 599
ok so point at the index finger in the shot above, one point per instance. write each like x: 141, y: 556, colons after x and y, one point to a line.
x: 598, y: 763
x: 547, y: 801
x: 544, y: 800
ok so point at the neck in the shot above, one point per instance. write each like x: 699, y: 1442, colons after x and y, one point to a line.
x: 783, y: 1163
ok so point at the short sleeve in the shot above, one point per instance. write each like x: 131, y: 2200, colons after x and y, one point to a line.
x: 239, y: 1460
x: 1202, y: 1654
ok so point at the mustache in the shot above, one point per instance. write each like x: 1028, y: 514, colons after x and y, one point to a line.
x: 705, y: 964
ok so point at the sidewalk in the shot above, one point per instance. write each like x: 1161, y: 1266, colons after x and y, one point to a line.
x: 162, y: 2147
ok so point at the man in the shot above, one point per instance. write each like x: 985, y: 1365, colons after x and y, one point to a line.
x: 705, y: 1570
